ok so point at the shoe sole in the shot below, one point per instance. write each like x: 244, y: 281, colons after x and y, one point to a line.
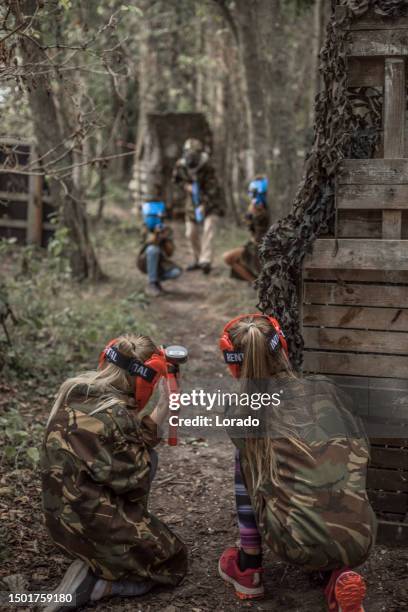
x: 241, y: 591
x: 349, y: 591
x: 73, y: 577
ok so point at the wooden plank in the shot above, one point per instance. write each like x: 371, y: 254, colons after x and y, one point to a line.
x: 357, y: 392
x: 365, y: 72
x: 360, y: 340
x: 392, y: 533
x: 394, y: 130
x: 14, y: 141
x: 14, y: 196
x: 385, y: 43
x: 356, y: 294
x: 357, y: 254
x: 371, y: 276
x: 18, y: 223
x: 355, y: 317
x: 11, y: 196
x: 388, y: 400
x: 387, y: 501
x: 352, y: 364
x: 387, y: 480
x: 389, y: 458
x: 359, y: 224
x: 377, y: 197
x: 392, y: 224
x: 372, y: 21
x: 394, y: 107
x: 400, y: 442
x: 35, y: 204
x: 373, y: 172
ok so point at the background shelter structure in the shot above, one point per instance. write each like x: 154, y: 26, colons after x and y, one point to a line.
x: 348, y: 230
x: 159, y: 147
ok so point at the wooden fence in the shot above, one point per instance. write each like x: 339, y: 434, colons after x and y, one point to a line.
x: 25, y: 206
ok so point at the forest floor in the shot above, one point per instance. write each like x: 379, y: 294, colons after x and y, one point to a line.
x: 193, y: 489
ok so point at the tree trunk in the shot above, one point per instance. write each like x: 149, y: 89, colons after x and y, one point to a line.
x: 256, y: 104
x: 54, y: 145
x: 281, y: 162
x: 258, y: 27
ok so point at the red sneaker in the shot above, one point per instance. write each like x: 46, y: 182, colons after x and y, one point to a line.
x: 345, y: 592
x: 247, y: 584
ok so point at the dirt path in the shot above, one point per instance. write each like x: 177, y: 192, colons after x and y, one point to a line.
x: 193, y: 490
x: 196, y: 497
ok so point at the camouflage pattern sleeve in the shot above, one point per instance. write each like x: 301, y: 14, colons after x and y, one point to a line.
x: 96, y: 476
x: 179, y: 174
x: 212, y: 194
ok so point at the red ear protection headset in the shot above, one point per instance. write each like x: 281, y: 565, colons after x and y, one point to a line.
x: 147, y: 373
x: 233, y: 358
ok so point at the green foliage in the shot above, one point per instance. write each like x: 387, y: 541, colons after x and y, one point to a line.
x: 20, y: 440
x: 65, y: 4
x: 62, y: 326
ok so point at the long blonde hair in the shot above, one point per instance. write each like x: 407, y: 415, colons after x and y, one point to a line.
x: 250, y: 335
x: 110, y: 383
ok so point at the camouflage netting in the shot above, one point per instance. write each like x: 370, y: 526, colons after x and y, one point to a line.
x: 348, y: 125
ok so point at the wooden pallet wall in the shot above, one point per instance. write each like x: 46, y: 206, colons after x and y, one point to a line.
x: 355, y: 287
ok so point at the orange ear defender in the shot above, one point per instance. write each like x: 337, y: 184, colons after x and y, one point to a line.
x: 234, y: 359
x: 147, y: 374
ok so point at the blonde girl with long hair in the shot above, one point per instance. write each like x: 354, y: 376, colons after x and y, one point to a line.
x: 98, y: 462
x: 300, y: 476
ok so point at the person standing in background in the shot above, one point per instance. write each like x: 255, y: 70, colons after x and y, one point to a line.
x: 205, y: 202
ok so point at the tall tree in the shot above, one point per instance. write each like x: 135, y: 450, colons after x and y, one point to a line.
x: 259, y: 30
x: 55, y: 141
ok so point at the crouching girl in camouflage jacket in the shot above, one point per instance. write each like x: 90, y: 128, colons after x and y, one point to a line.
x: 300, y: 475
x: 97, y: 465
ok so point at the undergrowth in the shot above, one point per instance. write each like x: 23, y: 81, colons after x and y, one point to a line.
x: 60, y: 327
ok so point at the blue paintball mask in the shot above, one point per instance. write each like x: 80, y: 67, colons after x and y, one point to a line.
x: 258, y: 189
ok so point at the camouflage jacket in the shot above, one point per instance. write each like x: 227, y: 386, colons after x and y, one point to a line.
x: 96, y: 476
x: 211, y: 194
x: 258, y: 224
x: 317, y: 513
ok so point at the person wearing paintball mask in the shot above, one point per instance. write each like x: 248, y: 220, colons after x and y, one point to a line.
x: 204, y: 202
x: 154, y: 257
x: 300, y: 478
x: 97, y: 465
x: 244, y: 260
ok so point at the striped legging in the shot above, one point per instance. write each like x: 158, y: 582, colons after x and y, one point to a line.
x: 248, y: 530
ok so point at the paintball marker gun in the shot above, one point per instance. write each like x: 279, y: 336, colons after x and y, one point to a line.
x: 175, y: 356
x: 195, y: 196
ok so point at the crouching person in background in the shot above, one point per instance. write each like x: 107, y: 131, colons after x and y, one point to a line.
x: 154, y: 258
x: 244, y: 260
x: 98, y: 462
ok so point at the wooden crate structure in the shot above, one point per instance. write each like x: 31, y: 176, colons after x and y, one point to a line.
x: 25, y: 205
x: 355, y: 284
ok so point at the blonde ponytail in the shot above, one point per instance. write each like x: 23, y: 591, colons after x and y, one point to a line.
x: 250, y: 335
